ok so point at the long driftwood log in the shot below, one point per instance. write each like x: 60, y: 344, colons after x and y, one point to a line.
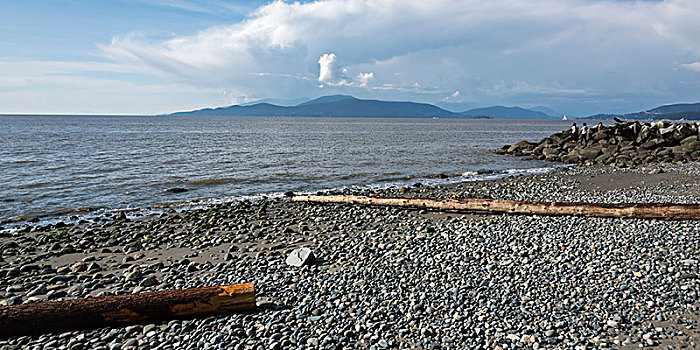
x: 665, y: 211
x: 116, y: 310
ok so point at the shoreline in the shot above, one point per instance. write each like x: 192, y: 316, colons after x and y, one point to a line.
x: 392, y: 277
x: 81, y: 216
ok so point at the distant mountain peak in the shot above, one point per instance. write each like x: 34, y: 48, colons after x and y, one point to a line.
x: 676, y: 108
x: 503, y: 112
x: 678, y: 111
x: 331, y: 106
x: 546, y: 110
x: 328, y: 99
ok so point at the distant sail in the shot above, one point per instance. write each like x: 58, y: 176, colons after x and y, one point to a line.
x: 565, y: 117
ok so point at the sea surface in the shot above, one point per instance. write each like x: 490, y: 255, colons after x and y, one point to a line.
x: 62, y: 166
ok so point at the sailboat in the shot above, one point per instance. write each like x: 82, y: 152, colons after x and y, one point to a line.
x: 564, y: 117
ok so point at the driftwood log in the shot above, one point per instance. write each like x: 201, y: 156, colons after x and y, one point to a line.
x: 664, y: 211
x: 117, y: 310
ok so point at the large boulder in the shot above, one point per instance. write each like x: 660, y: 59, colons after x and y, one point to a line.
x: 517, y: 149
x: 590, y: 153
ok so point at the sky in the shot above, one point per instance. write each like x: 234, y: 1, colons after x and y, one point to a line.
x: 578, y: 57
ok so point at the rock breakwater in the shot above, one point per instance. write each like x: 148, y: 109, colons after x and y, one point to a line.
x: 625, y: 144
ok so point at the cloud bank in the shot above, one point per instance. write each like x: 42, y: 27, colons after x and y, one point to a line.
x: 587, y: 55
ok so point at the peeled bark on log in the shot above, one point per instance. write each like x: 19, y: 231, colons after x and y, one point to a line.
x: 119, y: 310
x: 665, y: 211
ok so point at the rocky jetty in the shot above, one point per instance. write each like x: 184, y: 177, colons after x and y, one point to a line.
x: 625, y: 144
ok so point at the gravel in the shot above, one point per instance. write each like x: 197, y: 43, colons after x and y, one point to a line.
x: 387, y: 278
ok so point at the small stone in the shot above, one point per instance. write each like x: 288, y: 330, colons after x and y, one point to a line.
x: 29, y: 268
x: 612, y: 324
x: 149, y: 327
x: 94, y: 267
x: 39, y: 290
x: 301, y: 256
x: 14, y: 289
x: 134, y: 275
x: 80, y: 266
x: 12, y: 301
x: 55, y: 294
x: 149, y: 281
x: 133, y: 329
x: 59, y: 278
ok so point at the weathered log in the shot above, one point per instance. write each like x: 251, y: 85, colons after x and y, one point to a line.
x: 118, y: 310
x: 665, y: 211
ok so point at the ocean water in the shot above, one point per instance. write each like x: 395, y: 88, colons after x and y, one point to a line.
x: 54, y: 166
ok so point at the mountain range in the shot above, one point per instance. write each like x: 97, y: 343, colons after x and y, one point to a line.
x: 348, y: 106
x: 688, y: 111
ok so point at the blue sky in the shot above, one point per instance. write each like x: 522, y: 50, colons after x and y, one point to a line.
x: 156, y: 56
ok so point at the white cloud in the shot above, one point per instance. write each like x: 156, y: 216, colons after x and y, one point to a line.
x: 366, y: 79
x: 454, y: 97
x: 446, y: 45
x: 500, y: 51
x: 329, y: 71
x: 695, y: 66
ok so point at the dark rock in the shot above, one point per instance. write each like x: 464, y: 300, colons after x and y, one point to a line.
x: 175, y: 190
x: 121, y: 216
x: 29, y: 268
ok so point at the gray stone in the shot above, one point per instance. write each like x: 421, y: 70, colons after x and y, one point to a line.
x: 149, y: 281
x: 80, y: 266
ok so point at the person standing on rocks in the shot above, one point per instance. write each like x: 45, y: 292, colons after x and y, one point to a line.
x: 574, y: 133
x: 600, y: 126
x: 584, y: 134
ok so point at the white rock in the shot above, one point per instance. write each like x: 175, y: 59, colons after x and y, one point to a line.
x: 300, y: 257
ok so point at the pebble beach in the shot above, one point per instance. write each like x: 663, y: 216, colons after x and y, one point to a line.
x: 390, y: 278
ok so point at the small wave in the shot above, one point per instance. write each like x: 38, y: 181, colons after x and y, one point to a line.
x: 34, y: 185
x: 351, y: 176
x: 393, y: 178
x: 212, y: 181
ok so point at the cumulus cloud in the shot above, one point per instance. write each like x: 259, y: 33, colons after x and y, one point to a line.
x: 366, y: 79
x: 329, y: 71
x: 584, y: 47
